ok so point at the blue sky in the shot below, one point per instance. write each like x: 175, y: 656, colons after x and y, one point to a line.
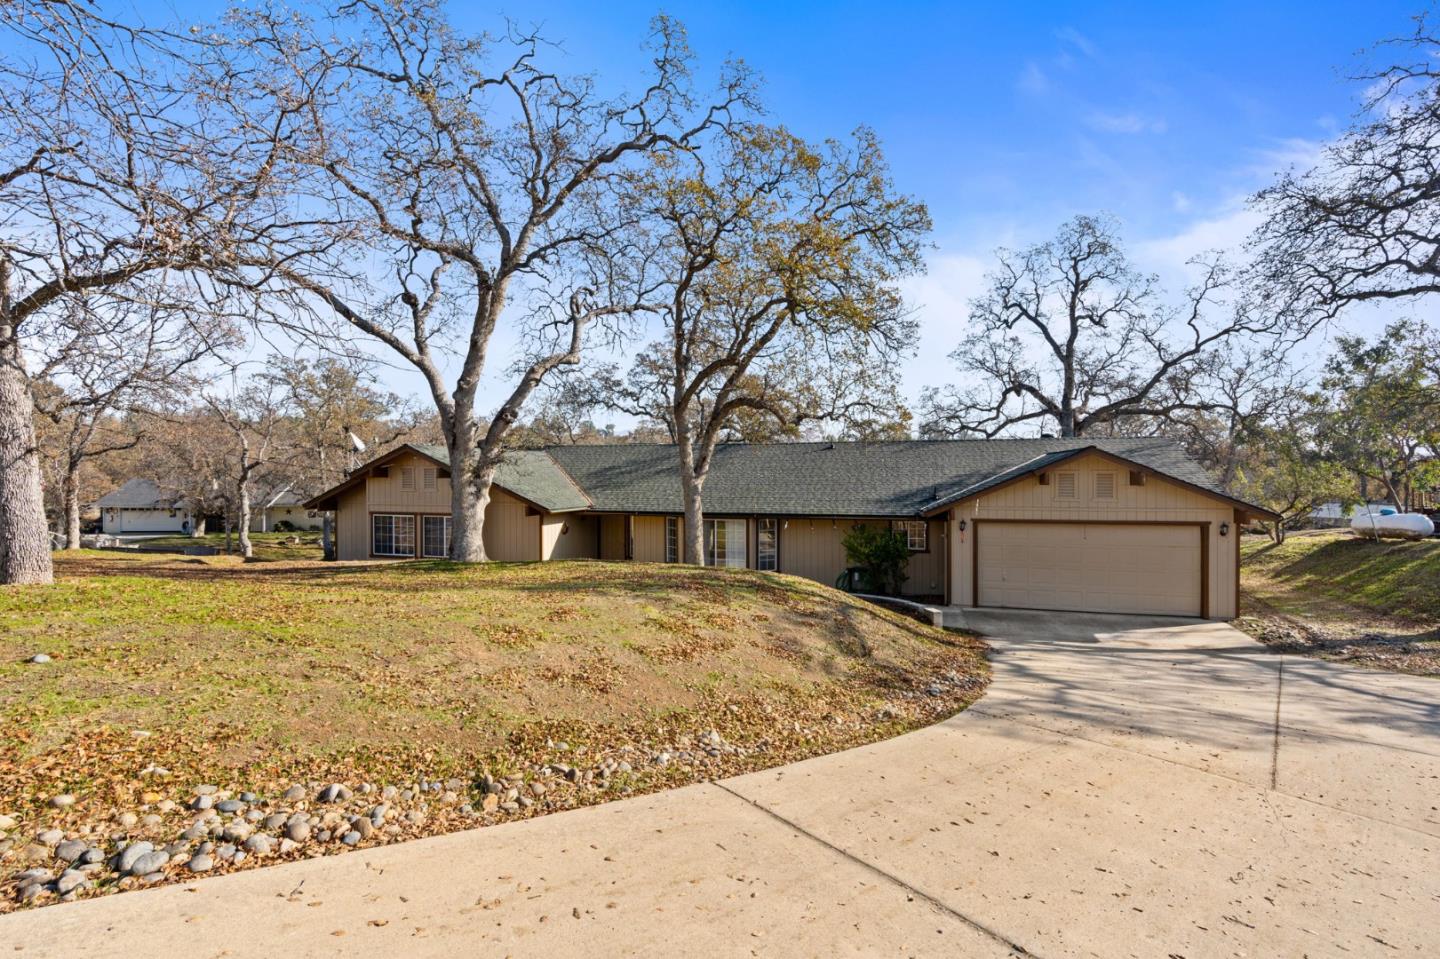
x: 1009, y: 118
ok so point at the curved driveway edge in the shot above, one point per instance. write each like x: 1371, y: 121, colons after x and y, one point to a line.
x: 1127, y: 787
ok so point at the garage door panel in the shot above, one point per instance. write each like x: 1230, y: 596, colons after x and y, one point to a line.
x: 1106, y: 567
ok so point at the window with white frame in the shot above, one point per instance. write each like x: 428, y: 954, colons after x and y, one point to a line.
x: 916, y: 533
x: 392, y: 534
x: 672, y: 539
x: 767, y: 544
x: 725, y: 542
x: 435, y: 537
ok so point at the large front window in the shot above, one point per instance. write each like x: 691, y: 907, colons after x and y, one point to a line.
x: 725, y: 542
x: 392, y: 534
x: 435, y: 537
x: 767, y: 551
x: 672, y: 539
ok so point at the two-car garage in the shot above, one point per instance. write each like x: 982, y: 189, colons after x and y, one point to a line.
x: 1116, y: 567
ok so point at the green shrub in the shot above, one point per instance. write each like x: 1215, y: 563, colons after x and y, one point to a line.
x: 882, y: 554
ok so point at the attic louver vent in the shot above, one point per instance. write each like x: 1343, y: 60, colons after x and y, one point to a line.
x: 1104, y: 485
x: 1065, y: 485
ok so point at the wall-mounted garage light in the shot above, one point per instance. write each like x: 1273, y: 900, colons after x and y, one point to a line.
x: 962, y: 526
x: 1224, y: 529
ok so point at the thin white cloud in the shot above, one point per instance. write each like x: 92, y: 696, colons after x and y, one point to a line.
x: 1225, y: 231
x: 1292, y: 153
x: 1033, y: 80
x: 1078, y: 40
x: 1124, y: 123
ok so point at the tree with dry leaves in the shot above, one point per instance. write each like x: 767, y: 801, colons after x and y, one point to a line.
x: 778, y: 302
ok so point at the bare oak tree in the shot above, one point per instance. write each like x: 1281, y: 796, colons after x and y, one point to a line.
x: 111, y: 173
x: 1364, y: 224
x: 446, y: 177
x: 1070, y: 337
x: 253, y: 425
x: 779, y: 303
x: 106, y: 357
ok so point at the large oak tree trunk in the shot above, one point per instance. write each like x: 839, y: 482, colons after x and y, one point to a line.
x: 24, y: 535
x: 694, y: 530
x: 470, y: 482
x: 692, y: 489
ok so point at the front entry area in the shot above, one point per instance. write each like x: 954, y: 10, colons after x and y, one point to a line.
x: 1156, y: 568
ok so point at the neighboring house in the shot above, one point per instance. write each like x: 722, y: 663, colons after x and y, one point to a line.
x: 141, y: 506
x: 1114, y: 525
x: 283, y: 506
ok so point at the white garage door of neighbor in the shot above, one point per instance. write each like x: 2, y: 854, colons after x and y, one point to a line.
x: 1091, y: 567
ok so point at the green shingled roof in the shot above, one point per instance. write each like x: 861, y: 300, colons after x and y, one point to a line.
x: 529, y: 474
x: 899, y: 478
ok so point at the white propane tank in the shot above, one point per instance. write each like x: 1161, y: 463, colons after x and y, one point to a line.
x: 1393, y: 526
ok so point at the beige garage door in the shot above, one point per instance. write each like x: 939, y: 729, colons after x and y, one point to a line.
x: 1100, y: 567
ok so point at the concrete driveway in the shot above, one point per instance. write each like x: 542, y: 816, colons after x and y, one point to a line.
x: 1128, y: 787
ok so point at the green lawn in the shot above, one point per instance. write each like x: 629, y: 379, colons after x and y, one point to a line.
x: 1393, y: 577
x: 266, y: 546
x: 254, y: 676
x: 1335, y: 596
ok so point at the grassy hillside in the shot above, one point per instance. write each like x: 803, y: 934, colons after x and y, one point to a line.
x: 1393, y: 577
x: 522, y: 688
x: 1335, y: 596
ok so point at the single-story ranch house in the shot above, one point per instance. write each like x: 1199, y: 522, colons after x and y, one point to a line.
x: 141, y: 506
x: 283, y: 506
x: 1113, y: 525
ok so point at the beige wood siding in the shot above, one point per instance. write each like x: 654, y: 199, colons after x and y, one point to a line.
x: 512, y: 532
x: 650, y: 539
x: 814, y: 548
x: 927, y: 570
x: 352, y: 526
x: 388, y: 494
x: 1156, y: 501
x: 568, y: 536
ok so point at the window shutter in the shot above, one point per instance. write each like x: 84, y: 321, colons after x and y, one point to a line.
x: 1065, y: 485
x: 1104, y: 485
